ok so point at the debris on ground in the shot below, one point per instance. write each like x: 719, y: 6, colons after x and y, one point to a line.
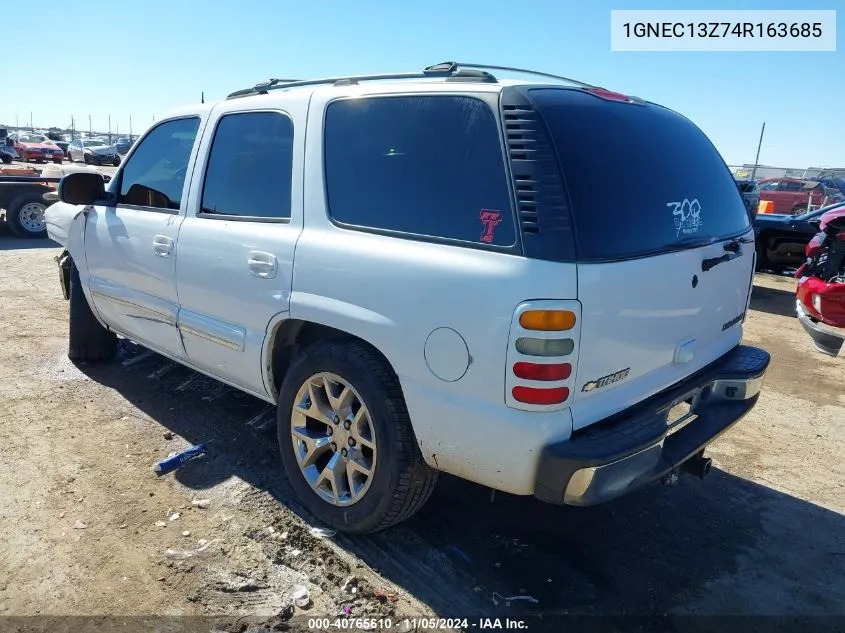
x: 174, y: 516
x: 176, y: 460
x: 161, y: 523
x: 322, y: 532
x: 79, y: 525
x: 301, y: 597
x: 497, y: 597
x: 168, y: 435
x: 201, y: 503
x: 182, y: 554
x: 459, y: 553
x: 186, y: 533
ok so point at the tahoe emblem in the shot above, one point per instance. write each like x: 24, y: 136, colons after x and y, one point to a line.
x: 606, y: 380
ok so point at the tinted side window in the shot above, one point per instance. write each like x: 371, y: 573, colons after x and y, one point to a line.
x: 249, y: 168
x: 155, y: 174
x: 427, y: 165
x: 790, y: 185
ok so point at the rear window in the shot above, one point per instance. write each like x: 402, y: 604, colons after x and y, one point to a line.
x: 641, y: 179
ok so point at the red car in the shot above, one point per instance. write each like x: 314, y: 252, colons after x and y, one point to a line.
x: 821, y: 285
x: 36, y: 147
x: 791, y: 195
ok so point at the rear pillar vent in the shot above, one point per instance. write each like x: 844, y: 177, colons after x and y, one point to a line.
x: 541, y: 199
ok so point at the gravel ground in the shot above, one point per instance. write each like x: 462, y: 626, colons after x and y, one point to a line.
x: 86, y: 524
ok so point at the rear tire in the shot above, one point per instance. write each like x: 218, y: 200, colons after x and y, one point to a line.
x: 6, y: 158
x: 799, y: 210
x: 87, y: 339
x: 400, y: 481
x: 23, y: 213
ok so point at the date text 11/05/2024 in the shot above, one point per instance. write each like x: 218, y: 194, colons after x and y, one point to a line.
x: 413, y: 624
x: 722, y: 29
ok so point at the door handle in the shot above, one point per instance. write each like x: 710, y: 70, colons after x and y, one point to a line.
x: 263, y: 265
x: 162, y: 246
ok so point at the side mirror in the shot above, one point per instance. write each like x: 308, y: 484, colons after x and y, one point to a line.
x: 82, y: 188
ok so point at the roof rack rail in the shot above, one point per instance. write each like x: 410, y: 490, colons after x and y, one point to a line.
x: 447, y: 70
x: 455, y: 65
x: 440, y: 70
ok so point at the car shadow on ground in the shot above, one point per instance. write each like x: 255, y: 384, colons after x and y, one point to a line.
x: 725, y: 545
x: 10, y: 242
x: 773, y: 300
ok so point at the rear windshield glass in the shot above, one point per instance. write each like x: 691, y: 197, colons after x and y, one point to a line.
x: 642, y: 179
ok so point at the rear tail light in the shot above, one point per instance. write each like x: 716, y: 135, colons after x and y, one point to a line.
x: 538, y: 371
x: 542, y: 355
x: 544, y: 346
x: 547, y: 320
x: 530, y: 395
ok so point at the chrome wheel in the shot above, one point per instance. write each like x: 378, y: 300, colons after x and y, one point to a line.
x: 32, y: 217
x: 333, y: 439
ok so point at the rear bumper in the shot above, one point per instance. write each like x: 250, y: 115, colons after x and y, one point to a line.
x: 633, y: 448
x: 826, y: 338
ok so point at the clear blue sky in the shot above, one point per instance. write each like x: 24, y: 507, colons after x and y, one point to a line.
x: 143, y: 57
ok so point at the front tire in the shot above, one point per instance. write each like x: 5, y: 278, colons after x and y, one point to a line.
x: 25, y: 216
x: 87, y: 339
x: 86, y: 158
x: 346, y: 439
x: 6, y: 158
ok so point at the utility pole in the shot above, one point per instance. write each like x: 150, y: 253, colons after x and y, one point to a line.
x: 90, y: 130
x: 72, y: 128
x: 202, y: 99
x: 17, y: 124
x: 109, y: 129
x: 31, y: 126
x: 757, y: 158
x: 130, y: 126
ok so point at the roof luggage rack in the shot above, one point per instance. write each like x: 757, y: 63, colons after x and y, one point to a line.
x: 447, y: 70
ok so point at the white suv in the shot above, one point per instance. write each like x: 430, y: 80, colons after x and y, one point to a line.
x: 516, y: 283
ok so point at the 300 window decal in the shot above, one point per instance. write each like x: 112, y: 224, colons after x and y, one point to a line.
x: 687, y: 215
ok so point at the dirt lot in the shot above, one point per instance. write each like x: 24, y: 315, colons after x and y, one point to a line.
x: 86, y: 523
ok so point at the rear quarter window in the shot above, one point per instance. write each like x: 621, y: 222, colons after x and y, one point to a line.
x: 642, y: 179
x: 419, y: 165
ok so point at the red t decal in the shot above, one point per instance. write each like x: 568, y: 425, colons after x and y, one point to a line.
x: 489, y: 218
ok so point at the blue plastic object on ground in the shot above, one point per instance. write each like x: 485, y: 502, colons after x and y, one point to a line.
x: 175, y: 461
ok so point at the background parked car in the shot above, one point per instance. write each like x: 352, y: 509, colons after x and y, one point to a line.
x: 792, y: 195
x: 123, y: 145
x: 7, y: 153
x: 93, y: 152
x: 750, y: 195
x: 63, y: 145
x: 36, y: 147
x: 781, y: 239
